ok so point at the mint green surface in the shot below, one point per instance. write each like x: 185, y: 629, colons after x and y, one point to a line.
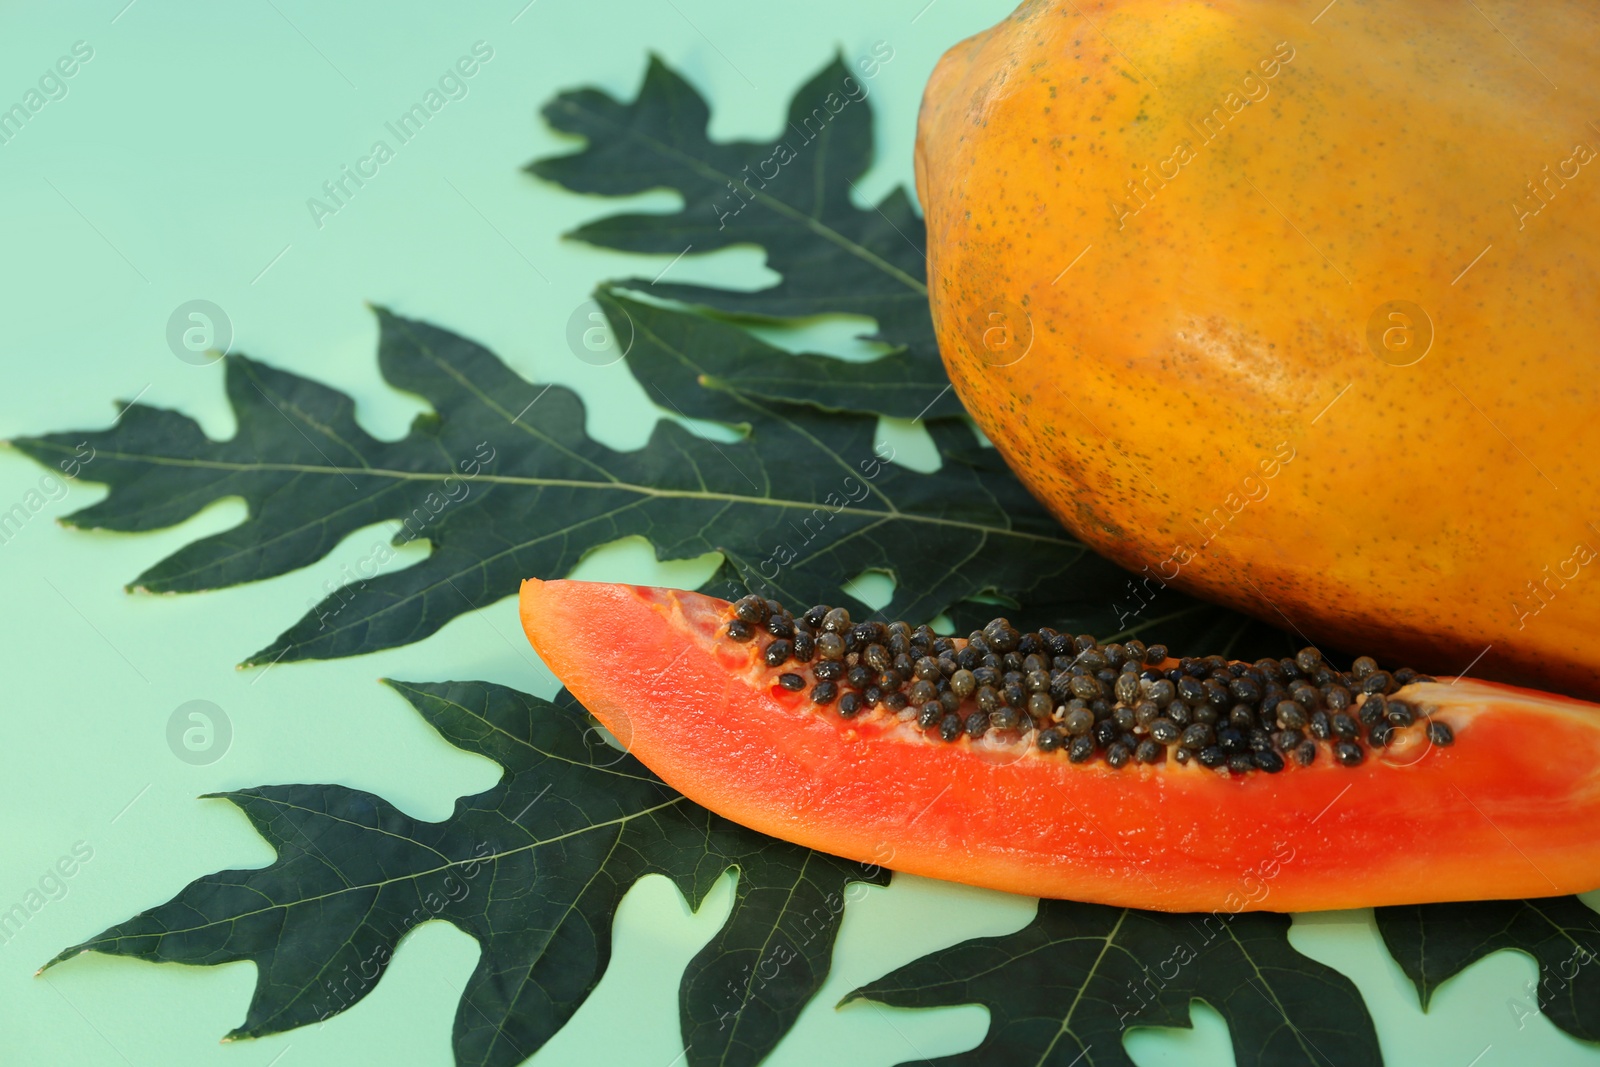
x: 178, y: 166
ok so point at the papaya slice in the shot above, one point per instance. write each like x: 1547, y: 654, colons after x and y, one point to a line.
x: 1352, y: 788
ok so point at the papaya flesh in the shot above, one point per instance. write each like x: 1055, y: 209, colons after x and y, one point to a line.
x: 1292, y: 311
x: 1504, y: 802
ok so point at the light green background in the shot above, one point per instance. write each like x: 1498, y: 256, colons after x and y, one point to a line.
x: 178, y: 167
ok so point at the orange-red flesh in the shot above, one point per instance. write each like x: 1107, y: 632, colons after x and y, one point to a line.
x: 1511, y: 809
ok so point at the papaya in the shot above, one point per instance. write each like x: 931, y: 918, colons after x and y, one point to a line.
x: 1293, y: 311
x: 1053, y: 765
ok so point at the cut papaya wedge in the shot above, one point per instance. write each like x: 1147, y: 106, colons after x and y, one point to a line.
x: 1347, y: 788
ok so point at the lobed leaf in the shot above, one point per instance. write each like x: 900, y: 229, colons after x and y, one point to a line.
x: 1065, y: 989
x: 793, y: 197
x: 503, y: 483
x: 533, y: 868
x: 1434, y: 942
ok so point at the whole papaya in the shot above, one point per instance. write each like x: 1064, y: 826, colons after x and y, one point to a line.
x: 1295, y: 311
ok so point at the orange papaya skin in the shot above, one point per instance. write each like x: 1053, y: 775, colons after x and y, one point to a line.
x: 1491, y: 816
x: 1163, y: 241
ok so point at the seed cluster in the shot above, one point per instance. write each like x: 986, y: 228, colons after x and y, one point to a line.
x: 1121, y: 702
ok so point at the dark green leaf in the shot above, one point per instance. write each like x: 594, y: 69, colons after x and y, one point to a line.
x: 897, y: 385
x: 533, y: 869
x: 791, y: 196
x: 752, y: 979
x: 504, y: 483
x: 834, y: 258
x: 1064, y: 989
x: 1434, y: 942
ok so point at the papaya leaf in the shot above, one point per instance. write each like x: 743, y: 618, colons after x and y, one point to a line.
x: 834, y: 257
x: 533, y: 868
x: 503, y: 482
x: 1064, y: 989
x: 1434, y: 942
x: 792, y: 196
x: 748, y: 984
x: 897, y: 385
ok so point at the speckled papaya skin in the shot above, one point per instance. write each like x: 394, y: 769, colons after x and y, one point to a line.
x: 1166, y: 239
